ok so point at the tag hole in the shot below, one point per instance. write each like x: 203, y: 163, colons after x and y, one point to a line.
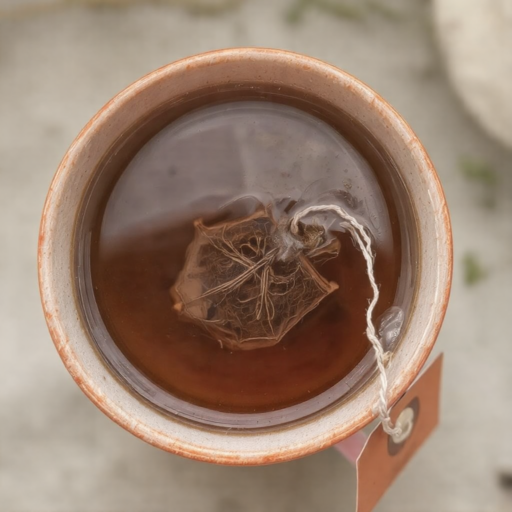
x: 405, y: 422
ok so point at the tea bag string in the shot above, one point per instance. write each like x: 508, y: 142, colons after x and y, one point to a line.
x: 362, y: 239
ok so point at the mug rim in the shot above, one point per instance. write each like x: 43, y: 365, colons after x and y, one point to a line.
x: 149, y: 424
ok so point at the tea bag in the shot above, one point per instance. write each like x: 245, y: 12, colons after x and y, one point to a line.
x: 250, y: 280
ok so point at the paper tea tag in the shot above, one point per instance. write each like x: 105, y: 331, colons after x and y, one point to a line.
x: 381, y: 459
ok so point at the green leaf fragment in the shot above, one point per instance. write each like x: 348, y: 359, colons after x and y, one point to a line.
x: 482, y: 173
x: 473, y: 270
x: 479, y: 171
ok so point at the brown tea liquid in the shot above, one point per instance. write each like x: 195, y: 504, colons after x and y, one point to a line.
x: 199, y: 166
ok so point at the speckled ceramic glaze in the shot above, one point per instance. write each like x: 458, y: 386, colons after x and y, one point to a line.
x: 63, y: 205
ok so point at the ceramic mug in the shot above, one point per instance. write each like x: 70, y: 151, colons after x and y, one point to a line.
x: 57, y: 265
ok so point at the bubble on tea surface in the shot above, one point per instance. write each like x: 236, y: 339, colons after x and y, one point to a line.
x: 390, y: 325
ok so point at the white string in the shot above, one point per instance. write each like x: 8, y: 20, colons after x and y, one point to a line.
x: 362, y: 239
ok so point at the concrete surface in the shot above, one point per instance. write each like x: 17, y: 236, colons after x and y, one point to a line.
x: 57, y: 452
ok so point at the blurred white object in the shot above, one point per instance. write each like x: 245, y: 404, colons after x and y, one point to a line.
x: 476, y: 39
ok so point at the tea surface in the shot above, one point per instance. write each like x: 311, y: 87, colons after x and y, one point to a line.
x: 217, y: 163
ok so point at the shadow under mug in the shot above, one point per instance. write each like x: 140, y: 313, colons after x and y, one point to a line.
x: 57, y: 265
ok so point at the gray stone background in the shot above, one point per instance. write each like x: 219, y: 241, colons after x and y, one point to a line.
x: 59, y: 63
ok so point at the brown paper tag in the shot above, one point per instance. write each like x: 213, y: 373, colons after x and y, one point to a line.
x: 381, y: 459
